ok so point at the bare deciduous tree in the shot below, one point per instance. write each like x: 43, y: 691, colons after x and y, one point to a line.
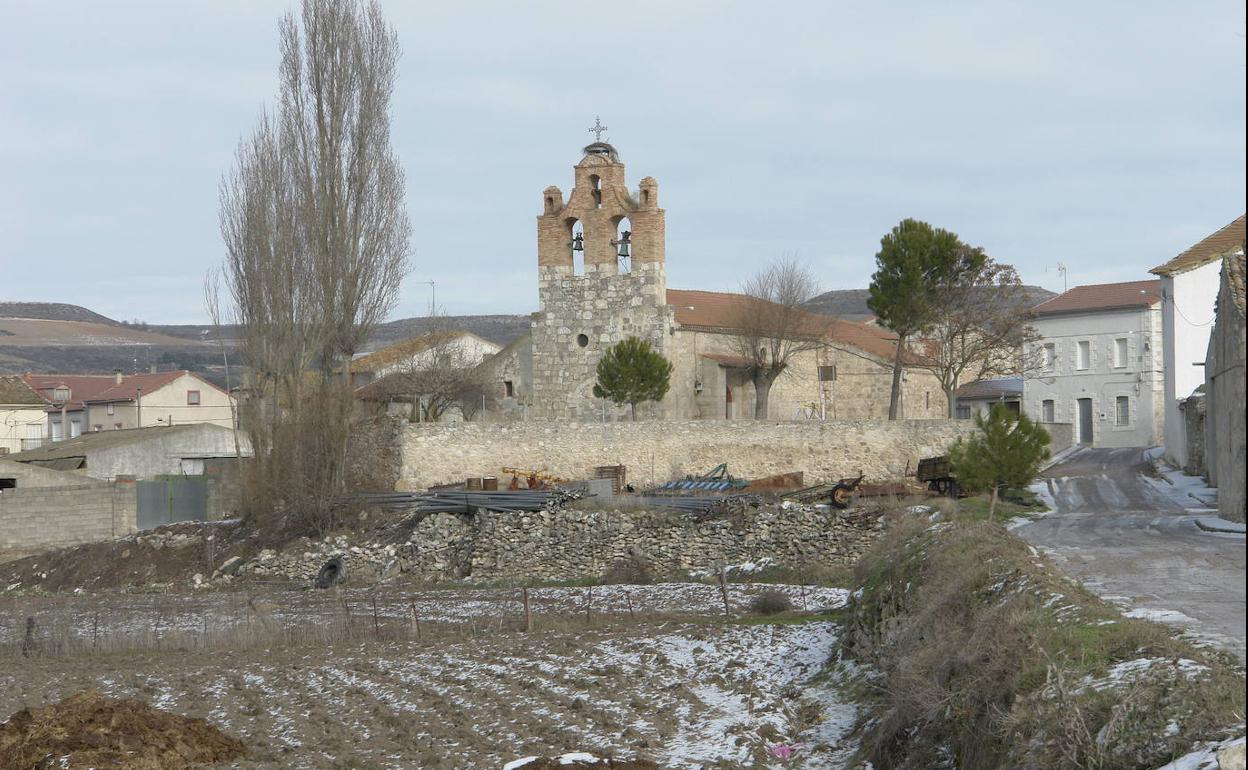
x: 316, y: 240
x: 981, y: 329
x: 772, y: 327
x: 445, y: 375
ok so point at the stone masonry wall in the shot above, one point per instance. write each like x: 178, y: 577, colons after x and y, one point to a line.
x: 599, y: 309
x: 571, y: 544
x: 659, y: 451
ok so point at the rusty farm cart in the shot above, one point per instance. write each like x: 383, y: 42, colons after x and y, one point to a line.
x: 937, y: 474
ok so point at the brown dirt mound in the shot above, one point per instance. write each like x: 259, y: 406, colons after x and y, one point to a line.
x: 613, y: 764
x: 91, y: 730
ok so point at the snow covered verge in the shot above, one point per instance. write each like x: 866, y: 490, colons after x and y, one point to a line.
x: 985, y: 655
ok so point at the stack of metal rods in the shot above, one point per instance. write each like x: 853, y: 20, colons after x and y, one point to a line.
x: 465, y: 501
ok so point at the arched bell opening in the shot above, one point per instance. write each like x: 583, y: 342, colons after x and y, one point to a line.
x: 622, y: 242
x: 576, y: 245
x: 596, y: 190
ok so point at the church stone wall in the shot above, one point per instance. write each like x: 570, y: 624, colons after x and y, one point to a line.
x: 582, y: 316
x: 657, y: 451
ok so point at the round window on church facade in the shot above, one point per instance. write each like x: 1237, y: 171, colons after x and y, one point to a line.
x: 582, y: 340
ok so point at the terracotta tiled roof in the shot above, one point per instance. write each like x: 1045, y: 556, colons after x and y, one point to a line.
x: 128, y: 389
x: 15, y: 392
x: 720, y: 311
x: 1103, y: 296
x: 1208, y: 250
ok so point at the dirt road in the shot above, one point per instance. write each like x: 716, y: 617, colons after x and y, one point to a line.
x: 1133, y: 541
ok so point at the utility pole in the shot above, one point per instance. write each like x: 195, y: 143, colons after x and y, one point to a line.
x: 433, y: 297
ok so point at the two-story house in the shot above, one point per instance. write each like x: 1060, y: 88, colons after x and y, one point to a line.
x: 1098, y: 364
x: 80, y: 403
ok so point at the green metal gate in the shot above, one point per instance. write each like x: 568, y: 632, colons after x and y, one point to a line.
x: 172, y: 498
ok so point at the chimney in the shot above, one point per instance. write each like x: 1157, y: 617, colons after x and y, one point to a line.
x: 116, y: 376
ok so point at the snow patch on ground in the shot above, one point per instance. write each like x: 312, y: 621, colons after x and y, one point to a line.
x: 1160, y: 616
x: 1187, y: 492
x: 1203, y: 757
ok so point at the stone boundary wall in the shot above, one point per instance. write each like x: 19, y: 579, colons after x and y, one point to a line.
x: 659, y: 451
x: 571, y: 544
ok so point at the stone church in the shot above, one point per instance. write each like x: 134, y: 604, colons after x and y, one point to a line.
x: 601, y: 278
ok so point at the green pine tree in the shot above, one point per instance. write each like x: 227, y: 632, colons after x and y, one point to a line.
x: 916, y: 263
x: 1007, y: 452
x: 630, y: 372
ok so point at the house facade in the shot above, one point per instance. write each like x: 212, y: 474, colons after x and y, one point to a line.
x: 1097, y: 364
x: 602, y: 278
x: 91, y: 403
x: 1189, y: 289
x: 979, y: 397
x: 22, y: 419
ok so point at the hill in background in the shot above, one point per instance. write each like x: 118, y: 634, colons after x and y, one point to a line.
x: 851, y: 304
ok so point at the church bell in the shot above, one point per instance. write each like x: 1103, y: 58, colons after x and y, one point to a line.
x: 578, y: 243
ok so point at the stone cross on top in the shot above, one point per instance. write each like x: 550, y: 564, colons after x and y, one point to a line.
x: 597, y: 129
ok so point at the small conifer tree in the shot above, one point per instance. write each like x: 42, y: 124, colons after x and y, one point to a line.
x: 630, y: 372
x: 1007, y: 452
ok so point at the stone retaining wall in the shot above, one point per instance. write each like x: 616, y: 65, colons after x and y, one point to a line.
x: 658, y: 451
x: 572, y: 544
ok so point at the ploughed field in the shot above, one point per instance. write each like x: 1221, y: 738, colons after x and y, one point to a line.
x: 451, y: 678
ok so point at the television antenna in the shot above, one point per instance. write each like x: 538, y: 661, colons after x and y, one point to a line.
x: 1060, y: 267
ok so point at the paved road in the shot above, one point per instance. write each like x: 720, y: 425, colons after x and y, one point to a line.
x: 1134, y: 541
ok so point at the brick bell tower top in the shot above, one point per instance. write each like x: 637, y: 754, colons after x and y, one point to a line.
x: 606, y: 214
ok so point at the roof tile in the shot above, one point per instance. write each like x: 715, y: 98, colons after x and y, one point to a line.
x: 1102, y: 296
x: 1209, y: 250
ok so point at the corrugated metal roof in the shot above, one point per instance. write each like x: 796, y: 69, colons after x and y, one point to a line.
x: 1002, y: 387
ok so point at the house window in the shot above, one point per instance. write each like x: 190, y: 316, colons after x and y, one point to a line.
x: 1124, y: 410
x: 964, y: 411
x: 1050, y: 356
x: 509, y: 390
x: 60, y: 394
x: 1048, y: 410
x: 927, y: 399
x: 827, y: 373
x: 1120, y: 352
x: 108, y: 408
x: 1085, y: 355
x: 192, y: 398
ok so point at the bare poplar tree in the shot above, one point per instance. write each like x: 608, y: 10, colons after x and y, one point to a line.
x: 772, y: 327
x: 981, y: 329
x: 316, y: 240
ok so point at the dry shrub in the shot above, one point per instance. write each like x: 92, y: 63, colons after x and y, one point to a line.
x: 770, y: 603
x: 981, y: 666
x: 91, y: 730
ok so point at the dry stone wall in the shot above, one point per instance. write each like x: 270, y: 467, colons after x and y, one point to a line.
x: 658, y: 451
x: 571, y: 544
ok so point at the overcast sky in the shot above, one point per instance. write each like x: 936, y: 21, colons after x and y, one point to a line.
x: 1108, y: 136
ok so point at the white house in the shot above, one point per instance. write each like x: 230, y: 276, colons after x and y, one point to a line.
x: 91, y: 403
x: 1189, y: 289
x: 1097, y: 364
x: 455, y: 348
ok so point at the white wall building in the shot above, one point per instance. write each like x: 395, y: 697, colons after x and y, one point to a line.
x: 1097, y: 364
x: 1189, y: 289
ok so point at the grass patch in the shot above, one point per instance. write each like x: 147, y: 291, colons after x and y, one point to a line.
x: 987, y: 657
